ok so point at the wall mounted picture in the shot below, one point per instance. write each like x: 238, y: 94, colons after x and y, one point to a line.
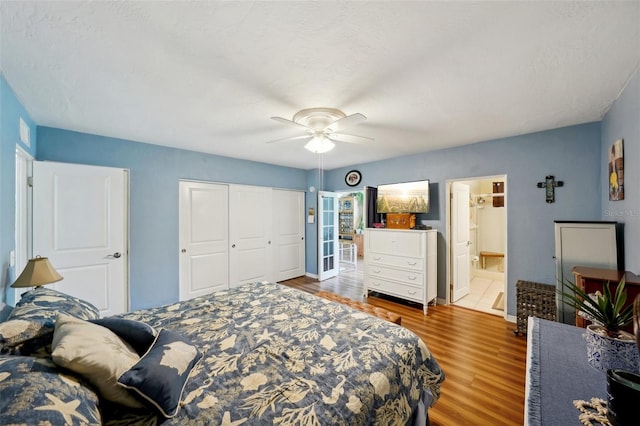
x: 616, y: 171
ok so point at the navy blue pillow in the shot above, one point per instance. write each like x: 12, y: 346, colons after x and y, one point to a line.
x: 161, y: 374
x: 138, y: 334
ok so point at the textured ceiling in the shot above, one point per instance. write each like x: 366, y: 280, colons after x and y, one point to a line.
x: 207, y: 76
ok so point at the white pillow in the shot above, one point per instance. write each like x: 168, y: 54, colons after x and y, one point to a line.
x: 95, y: 353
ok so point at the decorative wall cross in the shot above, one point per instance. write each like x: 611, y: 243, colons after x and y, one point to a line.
x: 550, y: 185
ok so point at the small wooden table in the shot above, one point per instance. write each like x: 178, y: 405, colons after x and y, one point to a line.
x: 592, y: 279
x: 485, y: 254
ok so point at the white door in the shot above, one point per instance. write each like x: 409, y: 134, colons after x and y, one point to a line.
x: 328, y: 256
x: 288, y: 226
x: 79, y: 223
x: 204, y: 238
x: 250, y: 252
x: 460, y: 264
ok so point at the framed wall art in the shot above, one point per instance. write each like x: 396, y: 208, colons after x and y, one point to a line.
x: 616, y: 171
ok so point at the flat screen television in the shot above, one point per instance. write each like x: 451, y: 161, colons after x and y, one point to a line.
x: 406, y: 197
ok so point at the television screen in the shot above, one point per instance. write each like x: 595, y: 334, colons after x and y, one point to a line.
x: 406, y: 197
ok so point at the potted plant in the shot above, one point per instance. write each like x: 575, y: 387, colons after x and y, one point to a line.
x: 608, y: 345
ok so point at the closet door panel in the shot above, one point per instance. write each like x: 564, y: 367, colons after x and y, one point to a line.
x: 204, y: 238
x: 288, y: 228
x: 250, y: 236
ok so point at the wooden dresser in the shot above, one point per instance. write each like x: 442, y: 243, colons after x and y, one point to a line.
x: 592, y: 280
x: 402, y: 263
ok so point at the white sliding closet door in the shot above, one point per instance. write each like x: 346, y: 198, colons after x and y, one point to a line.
x: 288, y: 226
x: 204, y: 238
x: 250, y: 234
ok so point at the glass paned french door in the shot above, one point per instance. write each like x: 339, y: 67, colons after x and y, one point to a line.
x: 328, y: 262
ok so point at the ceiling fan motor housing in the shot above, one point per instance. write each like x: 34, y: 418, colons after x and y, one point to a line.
x: 318, y: 118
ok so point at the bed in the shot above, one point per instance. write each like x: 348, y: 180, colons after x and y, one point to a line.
x: 262, y: 353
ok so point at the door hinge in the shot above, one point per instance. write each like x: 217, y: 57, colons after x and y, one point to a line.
x: 30, y: 181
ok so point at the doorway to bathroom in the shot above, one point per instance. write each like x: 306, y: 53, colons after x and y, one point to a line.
x: 477, y: 241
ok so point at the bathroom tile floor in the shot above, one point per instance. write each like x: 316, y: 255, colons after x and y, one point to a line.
x: 482, y: 294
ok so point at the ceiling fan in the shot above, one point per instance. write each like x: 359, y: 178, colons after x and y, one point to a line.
x: 322, y: 127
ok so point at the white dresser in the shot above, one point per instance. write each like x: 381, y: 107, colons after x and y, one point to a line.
x: 402, y: 263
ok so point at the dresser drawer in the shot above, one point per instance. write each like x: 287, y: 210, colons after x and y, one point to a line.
x: 411, y: 278
x: 396, y: 261
x: 392, y: 288
x: 398, y: 243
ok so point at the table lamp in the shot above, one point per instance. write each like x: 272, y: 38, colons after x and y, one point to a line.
x: 38, y: 272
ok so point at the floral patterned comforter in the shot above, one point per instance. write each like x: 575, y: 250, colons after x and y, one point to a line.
x: 277, y: 355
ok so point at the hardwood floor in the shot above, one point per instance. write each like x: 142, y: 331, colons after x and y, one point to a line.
x: 484, y: 363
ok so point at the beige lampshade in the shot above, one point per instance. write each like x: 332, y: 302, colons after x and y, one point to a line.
x: 37, y: 272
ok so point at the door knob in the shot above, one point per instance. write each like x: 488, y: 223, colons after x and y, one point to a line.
x: 115, y: 255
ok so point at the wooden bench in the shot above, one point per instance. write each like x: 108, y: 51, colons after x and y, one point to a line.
x: 485, y: 254
x: 361, y: 306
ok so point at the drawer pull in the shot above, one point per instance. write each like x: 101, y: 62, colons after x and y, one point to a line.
x: 376, y: 284
x: 411, y: 278
x: 412, y: 292
x: 377, y: 258
x: 376, y: 271
x: 412, y: 263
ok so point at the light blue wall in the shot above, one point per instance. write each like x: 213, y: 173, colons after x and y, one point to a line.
x: 623, y: 122
x: 577, y: 155
x: 571, y: 154
x: 10, y: 112
x: 154, y: 175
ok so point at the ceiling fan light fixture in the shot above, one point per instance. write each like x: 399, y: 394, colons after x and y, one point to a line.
x: 319, y: 145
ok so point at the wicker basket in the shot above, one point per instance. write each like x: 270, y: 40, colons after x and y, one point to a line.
x: 535, y: 300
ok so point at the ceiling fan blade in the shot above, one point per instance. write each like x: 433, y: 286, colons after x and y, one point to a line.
x: 292, y: 138
x: 344, y: 122
x: 345, y: 137
x: 292, y: 123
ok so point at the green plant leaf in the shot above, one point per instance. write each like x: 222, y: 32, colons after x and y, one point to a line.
x: 607, y: 309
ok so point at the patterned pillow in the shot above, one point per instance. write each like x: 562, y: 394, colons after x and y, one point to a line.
x: 43, y: 304
x: 22, y: 337
x: 95, y: 353
x: 161, y: 374
x: 35, y: 314
x: 136, y: 333
x: 34, y: 392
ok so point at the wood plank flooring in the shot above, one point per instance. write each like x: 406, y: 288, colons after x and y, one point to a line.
x: 484, y: 363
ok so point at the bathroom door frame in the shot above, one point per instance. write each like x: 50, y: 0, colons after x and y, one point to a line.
x: 449, y: 184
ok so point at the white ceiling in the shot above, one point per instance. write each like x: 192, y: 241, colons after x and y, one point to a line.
x: 207, y: 76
